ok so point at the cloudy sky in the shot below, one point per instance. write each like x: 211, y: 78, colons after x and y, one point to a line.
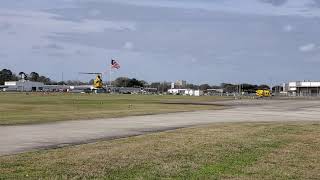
x: 203, y: 41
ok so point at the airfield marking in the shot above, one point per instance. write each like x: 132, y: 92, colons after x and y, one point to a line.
x: 23, y: 138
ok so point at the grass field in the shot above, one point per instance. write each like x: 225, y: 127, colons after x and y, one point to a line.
x: 22, y: 108
x: 221, y: 151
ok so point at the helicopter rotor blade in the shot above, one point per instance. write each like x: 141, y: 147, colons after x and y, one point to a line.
x: 89, y: 73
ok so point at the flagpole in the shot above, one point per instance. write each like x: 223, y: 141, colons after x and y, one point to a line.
x: 110, y: 75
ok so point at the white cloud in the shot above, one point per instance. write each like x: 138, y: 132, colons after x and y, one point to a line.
x: 288, y: 28
x: 54, y: 46
x: 94, y: 12
x: 128, y: 45
x: 290, y: 8
x: 194, y: 60
x: 48, y: 23
x: 308, y: 47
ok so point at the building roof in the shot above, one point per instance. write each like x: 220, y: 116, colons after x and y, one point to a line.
x: 306, y: 84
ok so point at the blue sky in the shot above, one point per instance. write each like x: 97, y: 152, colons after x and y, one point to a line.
x: 204, y: 41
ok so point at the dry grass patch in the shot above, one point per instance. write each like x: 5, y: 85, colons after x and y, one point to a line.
x: 21, y: 108
x: 235, y: 151
x: 299, y: 159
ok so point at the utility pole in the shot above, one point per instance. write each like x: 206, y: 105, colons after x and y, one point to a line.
x: 162, y: 87
x: 62, y: 78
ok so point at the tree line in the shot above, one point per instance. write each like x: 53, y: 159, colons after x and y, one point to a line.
x: 248, y: 88
x: 8, y: 75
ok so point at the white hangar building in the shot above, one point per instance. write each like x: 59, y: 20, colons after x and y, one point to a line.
x: 302, y: 88
x: 23, y: 86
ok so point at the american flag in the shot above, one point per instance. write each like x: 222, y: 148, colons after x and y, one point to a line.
x: 114, y: 64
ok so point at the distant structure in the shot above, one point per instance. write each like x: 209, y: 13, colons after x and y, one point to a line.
x: 181, y: 84
x: 23, y: 85
x: 31, y: 86
x: 180, y: 88
x: 186, y: 92
x: 172, y: 85
x: 215, y: 92
x: 302, y: 88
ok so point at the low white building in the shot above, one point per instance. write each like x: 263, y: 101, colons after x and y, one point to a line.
x: 187, y: 92
x: 302, y: 88
x: 198, y: 93
x: 23, y: 85
x: 177, y: 91
x: 215, y: 92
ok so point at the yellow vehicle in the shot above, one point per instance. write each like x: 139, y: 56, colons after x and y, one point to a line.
x: 97, y: 83
x: 263, y: 93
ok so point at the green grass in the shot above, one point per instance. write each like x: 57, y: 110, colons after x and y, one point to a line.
x: 221, y: 151
x: 22, y: 108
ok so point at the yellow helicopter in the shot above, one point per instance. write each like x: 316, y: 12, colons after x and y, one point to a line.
x: 263, y: 93
x: 97, y: 83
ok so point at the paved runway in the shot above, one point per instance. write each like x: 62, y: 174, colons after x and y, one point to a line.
x: 17, y: 139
